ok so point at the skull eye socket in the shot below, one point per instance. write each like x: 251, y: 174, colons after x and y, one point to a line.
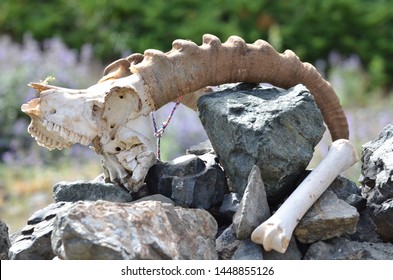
x: 52, y: 111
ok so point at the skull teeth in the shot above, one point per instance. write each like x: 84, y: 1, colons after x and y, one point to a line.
x: 64, y: 133
x: 48, y: 142
x: 56, y: 128
x: 71, y: 136
x: 44, y: 140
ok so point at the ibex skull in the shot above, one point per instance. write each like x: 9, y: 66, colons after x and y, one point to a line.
x: 113, y: 114
x: 108, y: 116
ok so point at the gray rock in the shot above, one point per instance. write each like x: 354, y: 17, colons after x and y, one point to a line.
x: 227, y: 244
x: 5, y: 243
x: 385, y: 179
x: 377, y: 167
x: 230, y: 205
x: 273, y: 128
x: 253, y: 209
x: 248, y: 250
x: 357, y: 201
x: 202, y: 148
x: 155, y: 197
x: 373, y: 196
x: 344, y: 249
x: 185, y: 165
x: 292, y: 253
x: 34, y: 241
x: 343, y: 187
x: 377, y: 181
x: 383, y: 219
x: 348, y: 191
x: 190, y: 181
x: 329, y: 217
x: 144, y: 230
x: 366, y: 230
x: 85, y: 190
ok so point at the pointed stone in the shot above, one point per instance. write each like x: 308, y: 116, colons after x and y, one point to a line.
x: 253, y: 209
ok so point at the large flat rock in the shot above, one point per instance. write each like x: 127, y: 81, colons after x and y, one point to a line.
x: 141, y: 230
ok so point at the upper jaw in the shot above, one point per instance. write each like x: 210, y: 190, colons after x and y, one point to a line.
x: 53, y: 136
x: 45, y: 138
x: 49, y: 134
x: 68, y: 136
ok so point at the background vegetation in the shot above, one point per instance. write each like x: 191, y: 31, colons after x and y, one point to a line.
x: 349, y: 41
x: 312, y: 28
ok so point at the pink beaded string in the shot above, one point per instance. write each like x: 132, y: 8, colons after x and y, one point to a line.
x: 158, y: 132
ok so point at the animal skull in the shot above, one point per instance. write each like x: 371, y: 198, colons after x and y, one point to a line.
x: 113, y: 114
x: 110, y: 117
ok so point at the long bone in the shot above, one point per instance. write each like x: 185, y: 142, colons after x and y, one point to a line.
x: 276, y: 232
x: 113, y: 114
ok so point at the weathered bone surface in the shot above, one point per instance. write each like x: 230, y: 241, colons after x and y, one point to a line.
x: 276, y: 232
x: 113, y: 114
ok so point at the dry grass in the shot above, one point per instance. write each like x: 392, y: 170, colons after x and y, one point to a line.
x: 26, y: 190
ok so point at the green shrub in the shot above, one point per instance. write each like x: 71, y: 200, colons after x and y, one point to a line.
x: 311, y: 28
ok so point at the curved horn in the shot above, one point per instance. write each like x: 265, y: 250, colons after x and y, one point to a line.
x: 189, y: 67
x: 121, y: 67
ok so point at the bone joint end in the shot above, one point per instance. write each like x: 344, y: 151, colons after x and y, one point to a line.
x: 271, y: 236
x: 276, y: 232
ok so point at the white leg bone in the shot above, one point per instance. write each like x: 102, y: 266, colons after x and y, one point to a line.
x: 276, y: 232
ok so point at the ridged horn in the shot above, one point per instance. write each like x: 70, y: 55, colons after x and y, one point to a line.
x: 189, y: 67
x: 121, y: 67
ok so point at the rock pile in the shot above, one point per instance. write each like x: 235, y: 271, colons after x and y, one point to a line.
x: 205, y: 205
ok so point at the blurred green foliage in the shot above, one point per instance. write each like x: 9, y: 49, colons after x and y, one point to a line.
x: 311, y: 28
x: 28, y: 62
